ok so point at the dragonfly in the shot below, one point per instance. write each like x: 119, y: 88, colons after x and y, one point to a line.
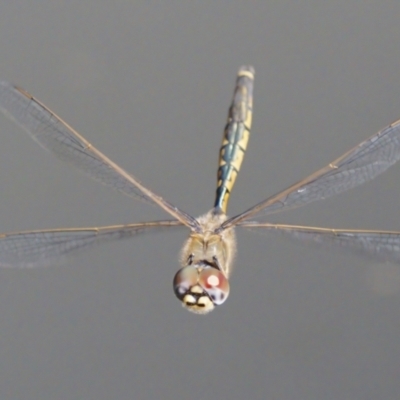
x: 207, y: 256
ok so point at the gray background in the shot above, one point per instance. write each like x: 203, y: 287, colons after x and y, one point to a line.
x: 149, y: 83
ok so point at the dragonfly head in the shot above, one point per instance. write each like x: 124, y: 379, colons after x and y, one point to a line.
x: 200, y: 288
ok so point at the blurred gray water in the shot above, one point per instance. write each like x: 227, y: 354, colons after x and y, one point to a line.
x: 149, y: 84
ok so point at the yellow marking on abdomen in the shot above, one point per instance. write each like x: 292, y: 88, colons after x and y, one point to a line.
x: 236, y: 136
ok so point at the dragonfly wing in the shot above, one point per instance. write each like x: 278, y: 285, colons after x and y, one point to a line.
x: 380, y: 244
x: 41, y: 248
x: 53, y: 134
x: 361, y: 164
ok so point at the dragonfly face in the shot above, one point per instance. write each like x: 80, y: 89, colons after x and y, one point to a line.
x: 201, y: 287
x: 207, y: 255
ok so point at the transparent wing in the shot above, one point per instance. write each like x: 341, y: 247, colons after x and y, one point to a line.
x: 41, y: 248
x: 380, y: 244
x: 361, y: 164
x: 53, y: 134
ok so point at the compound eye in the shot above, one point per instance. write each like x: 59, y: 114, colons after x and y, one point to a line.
x: 184, y: 279
x: 214, y: 284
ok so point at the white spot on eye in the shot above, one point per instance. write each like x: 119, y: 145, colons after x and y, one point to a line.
x: 213, y: 280
x: 181, y: 289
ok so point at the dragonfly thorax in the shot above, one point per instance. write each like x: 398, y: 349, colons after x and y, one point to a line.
x: 215, y: 249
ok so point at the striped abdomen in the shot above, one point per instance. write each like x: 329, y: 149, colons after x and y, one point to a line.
x: 236, y: 136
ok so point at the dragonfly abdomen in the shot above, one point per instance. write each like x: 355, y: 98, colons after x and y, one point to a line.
x: 236, y: 136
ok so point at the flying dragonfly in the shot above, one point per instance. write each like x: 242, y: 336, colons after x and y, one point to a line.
x: 207, y: 256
